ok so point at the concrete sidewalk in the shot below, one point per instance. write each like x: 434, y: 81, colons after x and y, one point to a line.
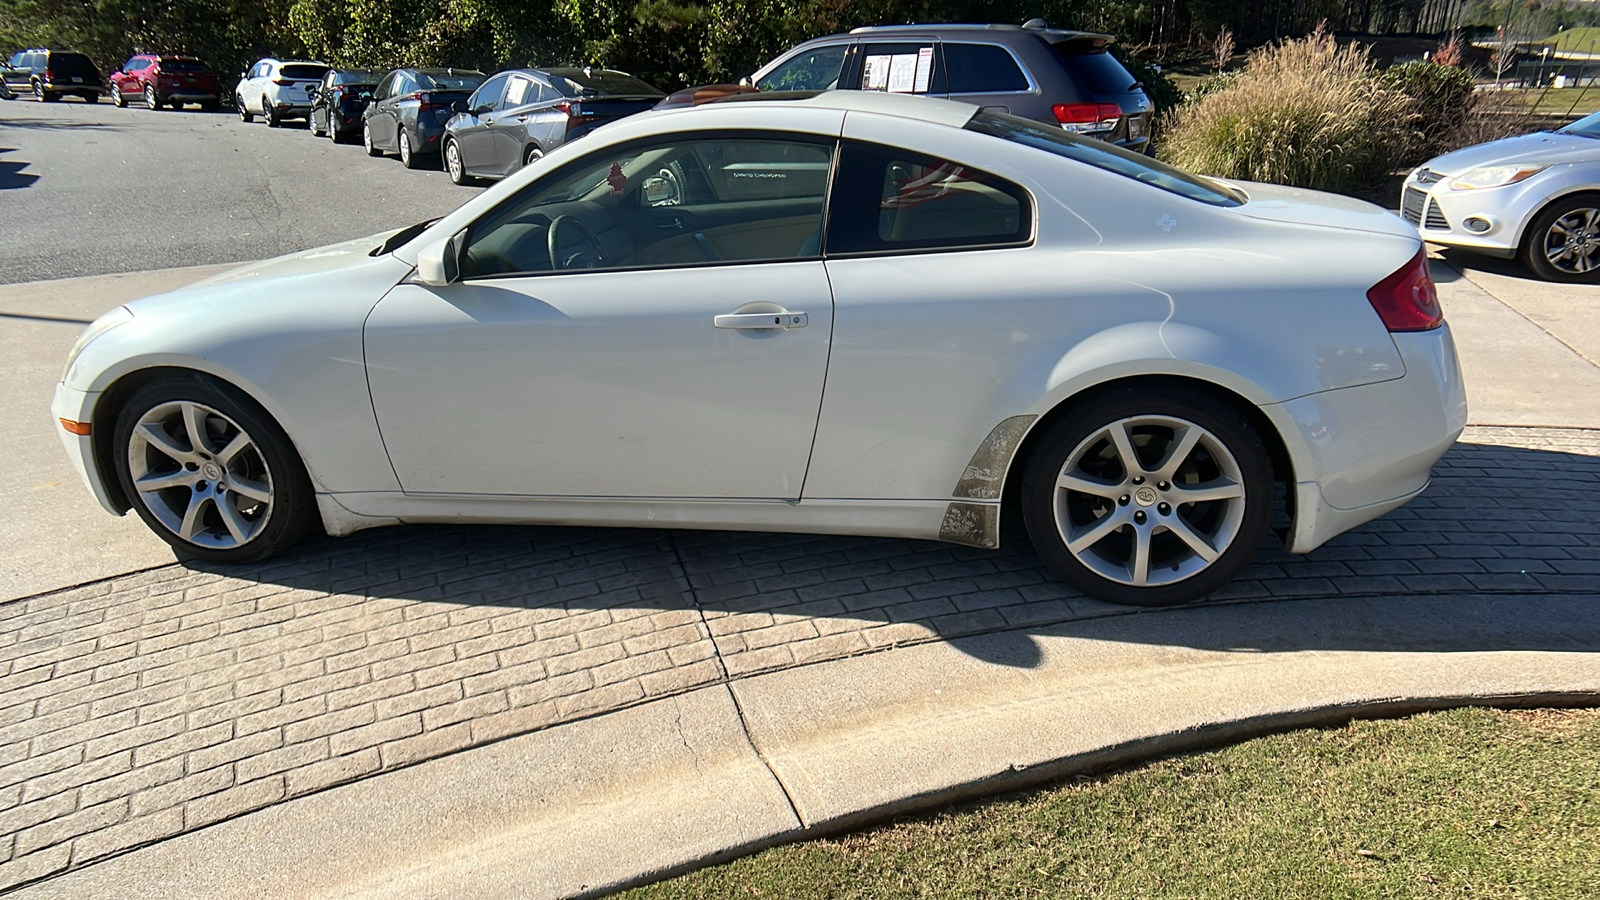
x: 530, y: 712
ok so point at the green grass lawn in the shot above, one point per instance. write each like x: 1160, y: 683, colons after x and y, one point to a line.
x: 1582, y: 40
x: 1466, y: 803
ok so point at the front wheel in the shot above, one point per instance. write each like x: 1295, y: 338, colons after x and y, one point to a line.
x: 116, y: 97
x: 1149, y: 498
x: 366, y: 140
x: 211, y: 473
x: 1563, y: 241
x: 245, y: 115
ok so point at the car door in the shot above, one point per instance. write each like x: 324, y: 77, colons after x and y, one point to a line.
x: 516, y: 122
x: 255, y: 85
x: 609, y: 367
x: 379, y: 115
x: 471, y: 131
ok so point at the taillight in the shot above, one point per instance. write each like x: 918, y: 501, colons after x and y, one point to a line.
x: 1407, y: 299
x: 573, y: 111
x: 1087, y: 116
x: 284, y: 82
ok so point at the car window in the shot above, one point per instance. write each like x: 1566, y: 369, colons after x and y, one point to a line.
x: 72, y: 64
x: 887, y: 199
x: 902, y: 68
x: 1105, y: 156
x: 599, y: 83
x: 182, y: 66
x: 438, y: 82
x: 517, y: 91
x: 810, y: 70
x: 1588, y: 126
x: 260, y: 70
x: 302, y: 72
x: 137, y: 64
x: 982, y: 69
x: 662, y: 203
x: 488, y: 95
x: 1098, y: 71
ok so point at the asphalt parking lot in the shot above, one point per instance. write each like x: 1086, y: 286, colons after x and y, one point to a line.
x: 159, y: 719
x: 89, y: 189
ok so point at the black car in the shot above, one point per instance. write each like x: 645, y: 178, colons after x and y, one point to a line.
x: 519, y: 115
x: 1063, y: 78
x: 409, y: 109
x: 338, y: 101
x: 52, y: 74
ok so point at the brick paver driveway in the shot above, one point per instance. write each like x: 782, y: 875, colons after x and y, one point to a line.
x: 141, y: 707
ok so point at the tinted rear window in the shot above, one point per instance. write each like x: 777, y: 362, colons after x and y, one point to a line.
x: 71, y: 64
x: 1104, y: 156
x: 182, y: 65
x: 982, y: 69
x: 363, y: 78
x: 453, y: 82
x: 303, y: 73
x: 1100, y: 72
x: 599, y: 82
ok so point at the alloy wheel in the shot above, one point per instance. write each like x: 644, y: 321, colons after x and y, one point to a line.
x: 453, y: 164
x: 150, y: 98
x: 1572, y: 242
x: 1148, y: 501
x: 200, y: 475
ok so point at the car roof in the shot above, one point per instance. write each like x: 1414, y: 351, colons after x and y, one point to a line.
x: 445, y: 71
x: 904, y: 106
x: 1053, y: 35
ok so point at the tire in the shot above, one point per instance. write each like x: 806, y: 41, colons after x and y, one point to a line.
x: 42, y: 95
x: 151, y: 99
x: 453, y: 165
x: 269, y: 113
x: 1143, y: 498
x: 1562, y: 243
x: 256, y: 502
x: 210, y: 106
x: 117, y: 99
x: 408, y: 157
x: 245, y: 115
x: 530, y: 155
x: 311, y: 123
x: 366, y: 140
x: 91, y: 98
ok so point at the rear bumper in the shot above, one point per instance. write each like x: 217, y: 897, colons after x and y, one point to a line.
x: 1360, y: 452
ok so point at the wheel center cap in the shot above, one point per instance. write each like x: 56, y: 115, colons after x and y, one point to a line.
x: 214, y: 472
x: 1145, y: 496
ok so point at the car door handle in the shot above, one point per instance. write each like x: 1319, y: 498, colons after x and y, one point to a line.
x: 783, y: 320
x: 524, y: 117
x: 673, y: 224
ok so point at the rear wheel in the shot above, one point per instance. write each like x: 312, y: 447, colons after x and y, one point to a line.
x: 408, y: 157
x: 311, y: 122
x: 1563, y: 241
x: 42, y: 95
x: 270, y: 114
x: 1149, y: 498
x: 91, y: 98
x: 529, y: 155
x: 210, y: 472
x: 150, y: 99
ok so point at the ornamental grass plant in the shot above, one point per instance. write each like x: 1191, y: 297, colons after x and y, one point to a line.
x: 1306, y: 112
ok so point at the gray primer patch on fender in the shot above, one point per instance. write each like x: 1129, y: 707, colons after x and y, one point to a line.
x: 973, y: 524
x: 986, y: 473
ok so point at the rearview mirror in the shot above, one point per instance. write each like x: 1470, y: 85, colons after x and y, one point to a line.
x: 439, y: 263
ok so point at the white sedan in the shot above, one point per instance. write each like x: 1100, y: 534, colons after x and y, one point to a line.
x: 848, y: 313
x: 1534, y: 196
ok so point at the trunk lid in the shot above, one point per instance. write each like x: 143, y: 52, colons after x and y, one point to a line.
x: 1277, y: 203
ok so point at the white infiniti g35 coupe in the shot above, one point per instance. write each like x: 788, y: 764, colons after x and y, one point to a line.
x: 847, y: 313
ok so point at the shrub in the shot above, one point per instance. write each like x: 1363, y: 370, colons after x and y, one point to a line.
x: 1444, y: 103
x: 1304, y: 112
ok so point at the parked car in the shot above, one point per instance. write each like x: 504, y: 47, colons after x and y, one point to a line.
x: 278, y: 90
x: 52, y: 74
x: 166, y: 81
x: 410, y: 108
x: 337, y: 103
x: 1064, y: 78
x: 1535, y: 197
x: 637, y: 331
x: 520, y: 115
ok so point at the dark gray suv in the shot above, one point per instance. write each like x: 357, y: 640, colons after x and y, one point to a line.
x: 1065, y: 78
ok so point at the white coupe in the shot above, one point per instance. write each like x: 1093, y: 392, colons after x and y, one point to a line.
x: 845, y: 313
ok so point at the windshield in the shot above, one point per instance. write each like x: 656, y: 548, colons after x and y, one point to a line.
x: 1588, y: 126
x: 599, y: 82
x: 1104, y: 156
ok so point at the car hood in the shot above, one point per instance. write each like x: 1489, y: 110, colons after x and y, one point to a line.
x: 1299, y: 206
x: 1547, y: 147
x: 318, y: 259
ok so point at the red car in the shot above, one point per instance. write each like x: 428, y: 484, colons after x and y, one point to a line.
x: 163, y: 80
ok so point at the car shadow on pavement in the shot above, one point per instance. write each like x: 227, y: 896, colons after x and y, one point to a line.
x: 1497, y: 519
x: 11, y: 174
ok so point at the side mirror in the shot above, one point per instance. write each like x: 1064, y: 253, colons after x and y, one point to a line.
x: 745, y: 82
x: 439, y: 263
x: 458, y: 106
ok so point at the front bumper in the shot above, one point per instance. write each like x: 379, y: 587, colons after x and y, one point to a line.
x: 78, y: 406
x: 1360, y: 452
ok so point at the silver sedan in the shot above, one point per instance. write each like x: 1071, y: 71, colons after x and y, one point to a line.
x: 1535, y: 196
x: 848, y: 313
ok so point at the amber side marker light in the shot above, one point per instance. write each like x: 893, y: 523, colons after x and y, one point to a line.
x: 79, y: 428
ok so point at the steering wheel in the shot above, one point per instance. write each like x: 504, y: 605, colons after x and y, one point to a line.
x: 591, y: 258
